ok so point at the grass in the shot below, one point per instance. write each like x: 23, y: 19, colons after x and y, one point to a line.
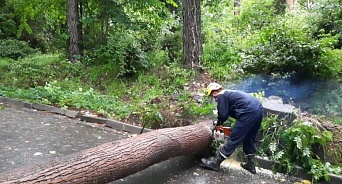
x: 48, y: 79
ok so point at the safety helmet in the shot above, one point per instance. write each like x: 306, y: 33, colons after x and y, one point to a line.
x: 212, y: 87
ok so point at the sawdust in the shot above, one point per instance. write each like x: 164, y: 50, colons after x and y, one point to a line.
x: 231, y: 164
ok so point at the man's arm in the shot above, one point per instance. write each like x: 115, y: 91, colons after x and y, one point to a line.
x: 222, y: 109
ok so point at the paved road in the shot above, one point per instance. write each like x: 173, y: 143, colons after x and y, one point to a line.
x: 28, y: 137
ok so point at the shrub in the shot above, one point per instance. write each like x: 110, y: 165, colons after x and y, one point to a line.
x: 11, y: 48
x: 123, y: 51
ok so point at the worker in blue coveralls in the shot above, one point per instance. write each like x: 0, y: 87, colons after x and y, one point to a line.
x: 248, y: 112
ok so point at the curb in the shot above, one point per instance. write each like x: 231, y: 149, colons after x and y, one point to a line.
x: 75, y: 114
x: 263, y: 163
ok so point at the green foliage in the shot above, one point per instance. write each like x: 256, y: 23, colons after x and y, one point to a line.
x: 7, y: 24
x: 43, y: 22
x: 264, y: 39
x: 81, y: 98
x: 198, y: 110
x: 4, y: 63
x: 172, y: 43
x: 99, y: 76
x: 123, y: 52
x: 11, y: 48
x: 332, y: 58
x: 72, y: 87
x: 152, y: 118
x: 330, y: 19
x: 140, y: 38
x: 285, y: 48
x: 293, y: 146
x: 254, y: 20
x: 227, y: 36
x: 221, y: 43
x: 270, y: 128
x: 173, y: 77
x: 38, y: 70
x: 38, y: 22
x: 177, y: 76
x: 298, y: 140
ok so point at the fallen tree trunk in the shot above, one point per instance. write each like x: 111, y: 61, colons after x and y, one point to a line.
x: 115, y: 160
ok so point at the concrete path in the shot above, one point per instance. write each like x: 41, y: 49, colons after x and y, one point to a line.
x: 28, y: 136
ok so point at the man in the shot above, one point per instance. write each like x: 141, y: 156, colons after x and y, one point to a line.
x: 248, y: 112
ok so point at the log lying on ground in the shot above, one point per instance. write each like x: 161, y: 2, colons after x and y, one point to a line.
x: 115, y: 160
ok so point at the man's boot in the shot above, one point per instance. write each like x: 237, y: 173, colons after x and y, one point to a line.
x: 250, y: 164
x: 213, y: 164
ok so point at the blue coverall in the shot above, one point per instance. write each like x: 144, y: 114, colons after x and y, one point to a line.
x: 248, y: 112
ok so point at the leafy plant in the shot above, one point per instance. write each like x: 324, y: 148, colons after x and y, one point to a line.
x: 291, y: 146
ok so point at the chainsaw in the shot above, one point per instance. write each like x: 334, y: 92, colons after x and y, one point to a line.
x: 221, y: 133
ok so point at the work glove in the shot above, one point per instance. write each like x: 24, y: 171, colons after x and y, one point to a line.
x: 216, y: 123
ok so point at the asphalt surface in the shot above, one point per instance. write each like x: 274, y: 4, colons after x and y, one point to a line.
x: 28, y: 136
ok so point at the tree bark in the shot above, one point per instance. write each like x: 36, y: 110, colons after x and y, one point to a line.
x: 115, y: 160
x: 237, y: 4
x: 73, y: 30
x: 291, y: 3
x: 192, y: 40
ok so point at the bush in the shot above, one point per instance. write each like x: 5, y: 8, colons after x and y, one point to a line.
x: 123, y: 51
x: 285, y: 48
x: 11, y: 48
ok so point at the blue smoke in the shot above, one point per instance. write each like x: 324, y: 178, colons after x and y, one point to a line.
x: 290, y: 88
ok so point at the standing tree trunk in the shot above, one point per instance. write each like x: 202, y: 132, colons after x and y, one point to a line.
x: 192, y: 42
x: 236, y: 7
x: 280, y: 6
x: 73, y: 30
x: 291, y: 3
x: 115, y: 160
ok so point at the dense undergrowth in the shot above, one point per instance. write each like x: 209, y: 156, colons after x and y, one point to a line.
x: 145, y: 100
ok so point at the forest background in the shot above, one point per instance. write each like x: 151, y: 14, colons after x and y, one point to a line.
x: 141, y: 62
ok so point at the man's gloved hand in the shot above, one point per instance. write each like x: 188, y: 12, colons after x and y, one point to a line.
x: 216, y: 123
